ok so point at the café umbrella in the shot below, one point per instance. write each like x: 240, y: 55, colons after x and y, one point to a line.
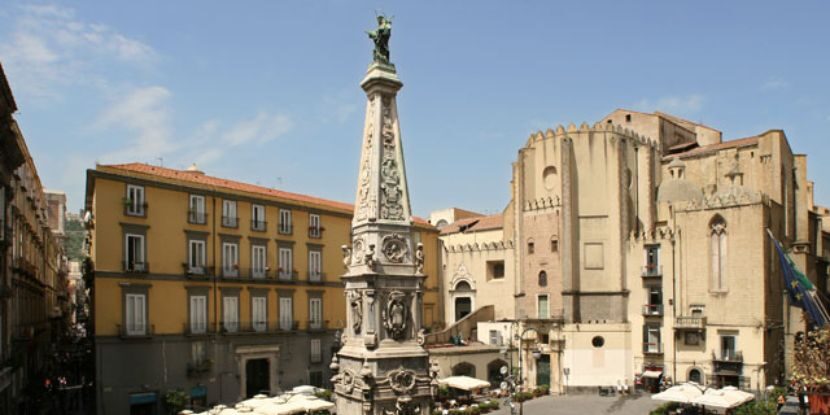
x: 683, y: 393
x: 726, y: 398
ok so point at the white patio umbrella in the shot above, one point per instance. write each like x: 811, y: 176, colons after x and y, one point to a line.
x: 464, y: 383
x: 313, y: 405
x: 723, y: 398
x: 256, y: 401
x: 683, y: 393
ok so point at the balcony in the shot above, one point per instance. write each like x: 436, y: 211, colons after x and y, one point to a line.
x: 652, y: 348
x: 246, y: 327
x: 258, y: 273
x: 690, y: 323
x: 654, y: 310
x: 652, y: 271
x: 725, y: 356
x: 315, y: 232
x: 287, y: 275
x: 288, y: 325
x: 230, y: 221
x: 136, y: 267
x: 316, y: 325
x: 137, y: 331
x: 316, y: 277
x: 259, y: 225
x: 191, y: 329
x: 285, y: 228
x: 132, y: 208
x: 230, y: 272
x: 196, y: 217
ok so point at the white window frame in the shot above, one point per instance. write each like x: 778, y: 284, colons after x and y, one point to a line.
x: 315, y: 313
x: 258, y: 217
x: 259, y: 261
x: 229, y: 217
x: 259, y: 313
x: 196, y: 209
x: 653, y: 346
x: 139, y: 262
x: 230, y: 313
x: 196, y: 265
x: 538, y: 304
x: 135, y: 200
x: 285, y: 222
x: 198, y: 314
x: 286, y: 267
x: 135, y: 318
x: 230, y: 259
x: 735, y: 348
x: 286, y: 313
x: 315, y: 348
x: 315, y: 265
x: 314, y: 228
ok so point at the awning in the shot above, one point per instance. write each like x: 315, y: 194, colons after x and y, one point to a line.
x: 464, y: 383
x: 683, y: 393
x: 142, y: 398
x: 651, y: 374
x: 198, y: 391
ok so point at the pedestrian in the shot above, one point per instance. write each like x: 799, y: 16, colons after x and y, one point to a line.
x: 781, y: 401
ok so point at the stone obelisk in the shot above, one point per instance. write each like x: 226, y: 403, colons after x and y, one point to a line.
x: 382, y: 368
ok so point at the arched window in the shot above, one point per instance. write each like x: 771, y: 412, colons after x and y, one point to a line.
x: 464, y: 369
x: 695, y: 376
x: 463, y: 286
x: 543, y: 279
x: 717, y: 246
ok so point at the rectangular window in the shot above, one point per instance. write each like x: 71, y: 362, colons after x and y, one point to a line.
x: 315, y: 264
x: 728, y: 345
x: 315, y: 378
x: 286, y: 268
x: 196, y: 256
x: 315, y: 312
x: 134, y: 253
x: 259, y: 312
x: 198, y: 314
x: 258, y: 265
x: 285, y: 222
x: 196, y: 210
x: 135, y: 200
x: 135, y: 318
x: 286, y: 314
x: 316, y: 352
x: 495, y: 337
x: 229, y: 218
x: 230, y: 314
x: 542, y: 306
x: 652, y: 261
x: 258, y: 217
x: 495, y: 270
x: 230, y: 259
x: 652, y: 340
x: 554, y: 245
x: 314, y: 229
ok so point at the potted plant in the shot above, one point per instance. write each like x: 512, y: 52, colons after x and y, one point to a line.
x: 811, y: 369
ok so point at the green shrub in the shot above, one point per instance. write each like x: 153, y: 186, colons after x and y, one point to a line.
x: 541, y: 390
x: 664, y: 408
x: 758, y: 408
x: 522, y: 396
x: 324, y: 394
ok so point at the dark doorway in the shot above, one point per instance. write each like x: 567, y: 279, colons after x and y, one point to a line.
x: 257, y: 379
x: 694, y: 376
x: 494, y: 375
x: 463, y: 307
x: 143, y: 409
x: 543, y: 370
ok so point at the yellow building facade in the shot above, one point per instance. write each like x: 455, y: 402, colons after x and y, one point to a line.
x: 220, y: 288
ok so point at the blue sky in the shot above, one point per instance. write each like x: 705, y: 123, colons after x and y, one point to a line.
x: 267, y: 91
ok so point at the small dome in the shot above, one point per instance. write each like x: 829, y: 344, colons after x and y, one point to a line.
x: 194, y: 169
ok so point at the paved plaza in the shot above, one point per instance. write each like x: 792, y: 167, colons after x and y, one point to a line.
x: 586, y: 405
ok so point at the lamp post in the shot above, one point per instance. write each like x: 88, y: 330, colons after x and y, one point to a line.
x: 536, y: 355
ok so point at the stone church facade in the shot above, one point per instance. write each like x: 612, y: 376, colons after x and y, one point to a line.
x: 637, y: 248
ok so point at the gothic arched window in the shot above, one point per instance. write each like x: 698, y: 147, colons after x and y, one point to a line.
x: 717, y: 246
x: 543, y: 279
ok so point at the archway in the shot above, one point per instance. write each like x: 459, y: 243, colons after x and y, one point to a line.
x: 464, y: 369
x: 695, y: 376
x: 494, y: 375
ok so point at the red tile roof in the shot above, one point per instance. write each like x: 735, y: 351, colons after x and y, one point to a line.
x: 482, y: 223
x: 200, y: 178
x: 740, y: 142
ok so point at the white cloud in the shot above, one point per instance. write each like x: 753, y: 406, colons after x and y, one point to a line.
x: 673, y: 104
x: 774, y: 84
x: 262, y: 128
x: 145, y: 113
x: 48, y: 47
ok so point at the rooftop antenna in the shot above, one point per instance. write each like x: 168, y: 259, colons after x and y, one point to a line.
x: 161, y: 161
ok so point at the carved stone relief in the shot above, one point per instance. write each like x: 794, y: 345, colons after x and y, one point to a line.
x: 356, y: 305
x: 391, y: 205
x: 394, y: 248
x: 395, y: 315
x: 364, y: 181
x: 419, y: 258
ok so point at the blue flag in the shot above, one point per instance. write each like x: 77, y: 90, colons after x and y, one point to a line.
x: 802, y: 292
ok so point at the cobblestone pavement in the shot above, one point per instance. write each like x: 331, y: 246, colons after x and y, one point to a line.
x: 586, y: 405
